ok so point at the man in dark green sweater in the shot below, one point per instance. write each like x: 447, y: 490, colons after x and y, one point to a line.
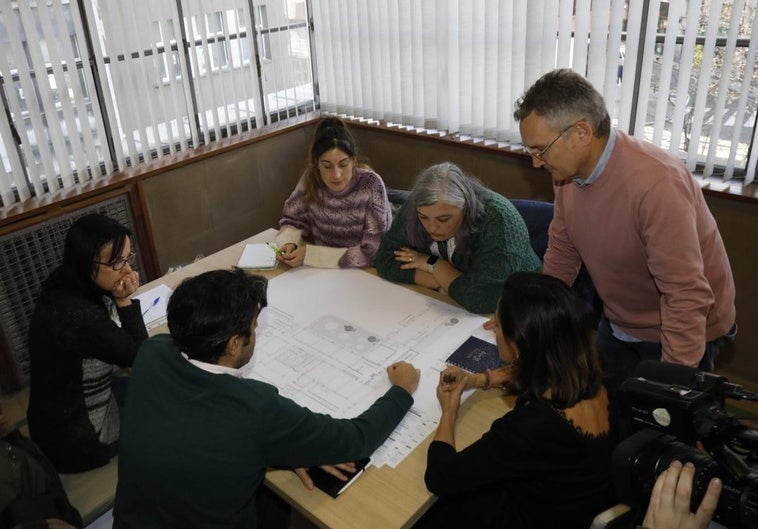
x: 197, y: 437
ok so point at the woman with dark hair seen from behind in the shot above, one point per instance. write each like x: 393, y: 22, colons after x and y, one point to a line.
x: 83, y: 323
x: 547, y: 462
x: 454, y: 234
x: 339, y: 210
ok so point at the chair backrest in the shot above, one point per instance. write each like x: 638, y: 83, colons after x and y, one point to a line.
x: 537, y: 215
x: 397, y: 198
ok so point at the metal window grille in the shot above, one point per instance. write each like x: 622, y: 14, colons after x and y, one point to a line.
x: 26, y: 258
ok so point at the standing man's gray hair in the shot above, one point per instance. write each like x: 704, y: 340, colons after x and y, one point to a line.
x: 564, y: 97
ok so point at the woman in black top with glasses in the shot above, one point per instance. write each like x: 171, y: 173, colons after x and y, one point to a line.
x: 84, y: 323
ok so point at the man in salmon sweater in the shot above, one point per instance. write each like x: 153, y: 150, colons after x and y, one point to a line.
x: 636, y: 217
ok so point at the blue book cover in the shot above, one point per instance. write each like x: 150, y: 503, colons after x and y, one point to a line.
x: 476, y: 356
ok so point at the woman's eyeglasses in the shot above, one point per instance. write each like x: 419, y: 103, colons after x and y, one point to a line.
x: 119, y: 263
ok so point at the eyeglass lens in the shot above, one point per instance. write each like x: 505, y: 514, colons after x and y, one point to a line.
x: 120, y: 263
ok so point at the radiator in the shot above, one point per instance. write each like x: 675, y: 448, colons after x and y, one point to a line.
x: 26, y: 258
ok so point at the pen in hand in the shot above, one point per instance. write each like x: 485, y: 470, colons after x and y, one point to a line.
x: 153, y: 304
x: 275, y: 248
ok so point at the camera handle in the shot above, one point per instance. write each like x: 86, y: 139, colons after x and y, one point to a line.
x: 743, y: 438
x: 729, y: 459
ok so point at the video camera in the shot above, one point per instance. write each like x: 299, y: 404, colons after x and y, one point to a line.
x: 673, y: 408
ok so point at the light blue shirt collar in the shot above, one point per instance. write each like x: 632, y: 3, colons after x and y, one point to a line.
x: 600, y: 167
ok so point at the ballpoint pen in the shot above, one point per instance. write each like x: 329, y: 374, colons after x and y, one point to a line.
x: 153, y: 304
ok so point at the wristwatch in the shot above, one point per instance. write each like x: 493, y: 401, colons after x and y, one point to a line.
x: 430, y: 263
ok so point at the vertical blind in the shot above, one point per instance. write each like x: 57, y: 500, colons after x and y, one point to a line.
x: 681, y: 74
x: 97, y: 86
x: 180, y: 72
x: 455, y: 65
x: 56, y: 76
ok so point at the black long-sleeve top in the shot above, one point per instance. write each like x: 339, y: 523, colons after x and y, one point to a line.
x: 73, y: 344
x: 540, y: 470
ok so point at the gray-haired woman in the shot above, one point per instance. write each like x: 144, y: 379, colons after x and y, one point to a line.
x: 456, y: 235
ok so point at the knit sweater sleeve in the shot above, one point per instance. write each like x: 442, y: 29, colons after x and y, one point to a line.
x: 376, y: 222
x: 396, y: 236
x: 561, y: 259
x: 288, y: 235
x: 501, y: 248
x: 295, y: 213
x: 298, y: 437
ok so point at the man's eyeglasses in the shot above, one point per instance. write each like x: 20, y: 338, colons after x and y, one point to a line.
x: 119, y: 263
x: 540, y: 153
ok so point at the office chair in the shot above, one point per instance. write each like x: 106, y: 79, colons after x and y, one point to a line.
x: 397, y: 198
x: 537, y: 216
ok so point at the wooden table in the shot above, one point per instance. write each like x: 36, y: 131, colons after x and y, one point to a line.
x: 383, y: 498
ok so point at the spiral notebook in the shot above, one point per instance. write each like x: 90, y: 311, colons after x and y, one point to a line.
x: 476, y: 356
x: 257, y: 256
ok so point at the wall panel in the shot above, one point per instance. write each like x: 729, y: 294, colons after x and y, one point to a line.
x: 206, y: 206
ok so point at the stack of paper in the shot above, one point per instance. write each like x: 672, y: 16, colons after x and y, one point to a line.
x: 258, y: 256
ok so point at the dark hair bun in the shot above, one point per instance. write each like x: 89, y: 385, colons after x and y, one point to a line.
x: 330, y: 123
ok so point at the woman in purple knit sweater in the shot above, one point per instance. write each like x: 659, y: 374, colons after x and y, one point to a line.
x: 338, y: 212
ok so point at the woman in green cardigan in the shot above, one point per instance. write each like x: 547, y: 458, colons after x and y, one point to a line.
x: 455, y: 235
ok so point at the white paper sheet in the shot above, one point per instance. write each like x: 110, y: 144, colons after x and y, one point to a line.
x: 327, y: 337
x: 154, y: 303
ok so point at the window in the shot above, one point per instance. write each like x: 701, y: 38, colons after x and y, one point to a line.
x: 264, y: 39
x: 240, y: 48
x: 284, y: 37
x: 682, y: 74
x: 215, y: 34
x: 51, y: 133
x: 704, y: 51
x: 161, y: 76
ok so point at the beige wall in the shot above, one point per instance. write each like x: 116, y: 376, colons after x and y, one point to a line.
x: 204, y: 207
x: 737, y: 222
x: 398, y: 158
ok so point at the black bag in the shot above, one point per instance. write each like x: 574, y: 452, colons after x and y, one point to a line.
x: 30, y: 488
